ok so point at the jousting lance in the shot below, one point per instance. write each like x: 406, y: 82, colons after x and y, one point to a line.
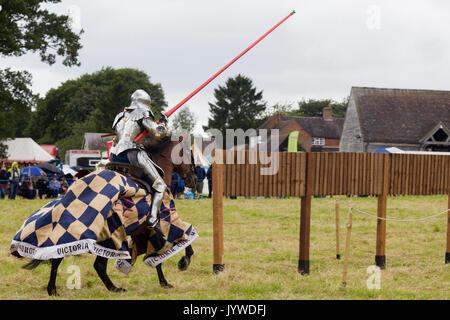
x: 193, y: 93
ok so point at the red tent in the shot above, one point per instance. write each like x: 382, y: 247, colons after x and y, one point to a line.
x: 51, y: 149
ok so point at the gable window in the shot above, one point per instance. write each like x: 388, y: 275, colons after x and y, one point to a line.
x: 438, y: 139
x: 439, y: 136
x: 318, y: 141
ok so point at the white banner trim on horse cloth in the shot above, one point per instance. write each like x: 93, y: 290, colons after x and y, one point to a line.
x: 155, y: 260
x: 125, y: 267
x: 67, y: 249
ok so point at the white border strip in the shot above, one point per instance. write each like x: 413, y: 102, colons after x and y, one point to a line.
x: 68, y: 249
x: 156, y: 260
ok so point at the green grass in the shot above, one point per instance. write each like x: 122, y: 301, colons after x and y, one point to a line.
x: 261, y: 254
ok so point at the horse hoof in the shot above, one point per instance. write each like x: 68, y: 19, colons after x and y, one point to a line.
x: 115, y: 289
x: 183, y: 264
x: 52, y: 292
x: 166, y: 285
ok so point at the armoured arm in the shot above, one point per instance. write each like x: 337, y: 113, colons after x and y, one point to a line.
x: 159, y: 130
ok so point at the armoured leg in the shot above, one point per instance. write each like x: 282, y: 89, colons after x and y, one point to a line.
x: 159, y: 186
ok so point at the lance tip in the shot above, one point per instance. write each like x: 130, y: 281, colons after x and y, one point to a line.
x: 293, y: 12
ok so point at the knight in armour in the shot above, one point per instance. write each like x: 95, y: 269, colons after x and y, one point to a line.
x: 128, y: 124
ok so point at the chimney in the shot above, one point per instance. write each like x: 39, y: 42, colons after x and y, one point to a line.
x: 328, y: 113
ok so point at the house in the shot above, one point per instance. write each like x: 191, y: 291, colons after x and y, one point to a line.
x: 316, y: 134
x: 402, y: 118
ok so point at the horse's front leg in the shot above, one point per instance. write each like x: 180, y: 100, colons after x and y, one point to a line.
x: 51, y: 287
x: 162, y: 281
x: 184, y: 262
x: 100, y: 266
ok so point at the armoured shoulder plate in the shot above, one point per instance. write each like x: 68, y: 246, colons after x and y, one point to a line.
x: 138, y: 114
x: 117, y: 119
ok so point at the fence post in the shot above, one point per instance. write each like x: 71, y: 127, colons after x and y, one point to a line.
x: 217, y: 181
x: 380, y: 256
x: 305, y: 216
x: 347, y: 248
x: 338, y: 254
x: 447, y: 253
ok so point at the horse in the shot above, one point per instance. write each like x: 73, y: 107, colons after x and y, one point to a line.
x: 161, y: 155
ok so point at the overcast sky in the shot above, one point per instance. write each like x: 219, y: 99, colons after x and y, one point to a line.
x: 327, y: 47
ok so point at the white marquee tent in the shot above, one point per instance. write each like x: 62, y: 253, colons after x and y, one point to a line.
x: 26, y: 149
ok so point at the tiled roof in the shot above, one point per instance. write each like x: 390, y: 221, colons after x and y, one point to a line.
x: 400, y: 115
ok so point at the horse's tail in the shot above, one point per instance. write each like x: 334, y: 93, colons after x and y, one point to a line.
x: 33, y: 264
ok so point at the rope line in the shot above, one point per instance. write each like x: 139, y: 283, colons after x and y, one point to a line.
x: 251, y: 221
x: 352, y: 209
x: 398, y: 220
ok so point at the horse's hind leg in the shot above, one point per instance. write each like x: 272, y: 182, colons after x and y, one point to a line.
x: 162, y: 281
x: 51, y: 287
x: 100, y: 266
x: 184, y: 262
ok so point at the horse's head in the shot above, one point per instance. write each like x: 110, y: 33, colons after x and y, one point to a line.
x: 163, y: 153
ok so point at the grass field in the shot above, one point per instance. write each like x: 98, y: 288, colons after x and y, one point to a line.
x: 261, y: 254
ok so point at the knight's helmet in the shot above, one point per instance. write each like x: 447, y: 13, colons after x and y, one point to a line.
x: 140, y: 100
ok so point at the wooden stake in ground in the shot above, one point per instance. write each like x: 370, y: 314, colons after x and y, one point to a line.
x: 217, y: 175
x: 380, y: 256
x: 338, y: 254
x: 347, y: 247
x: 305, y: 215
x: 447, y: 253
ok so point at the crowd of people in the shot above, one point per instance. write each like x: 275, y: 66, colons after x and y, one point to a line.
x: 178, y: 188
x: 12, y: 184
x: 50, y: 186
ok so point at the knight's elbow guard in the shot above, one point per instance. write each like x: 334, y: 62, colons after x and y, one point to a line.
x: 161, y: 131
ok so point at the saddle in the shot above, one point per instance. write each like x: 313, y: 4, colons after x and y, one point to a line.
x: 132, y: 172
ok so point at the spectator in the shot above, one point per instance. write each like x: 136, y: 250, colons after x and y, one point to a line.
x: 13, y: 176
x: 209, y: 177
x: 3, y: 181
x: 177, y: 185
x: 28, y: 190
x: 64, y: 186
x: 54, y: 187
x: 201, y: 175
x: 42, y: 187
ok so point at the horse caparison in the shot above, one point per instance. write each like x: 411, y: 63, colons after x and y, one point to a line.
x: 161, y: 155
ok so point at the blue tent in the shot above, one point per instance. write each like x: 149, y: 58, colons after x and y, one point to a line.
x: 380, y: 150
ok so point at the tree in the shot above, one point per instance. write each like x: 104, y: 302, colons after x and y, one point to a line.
x: 238, y: 106
x: 283, y: 109
x: 15, y: 101
x: 27, y: 27
x: 314, y: 108
x: 89, y: 104
x: 184, y: 120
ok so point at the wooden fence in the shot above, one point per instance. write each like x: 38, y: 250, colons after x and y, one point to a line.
x: 336, y: 174
x: 239, y: 173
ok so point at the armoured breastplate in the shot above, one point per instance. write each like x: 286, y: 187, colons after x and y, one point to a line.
x: 127, y: 128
